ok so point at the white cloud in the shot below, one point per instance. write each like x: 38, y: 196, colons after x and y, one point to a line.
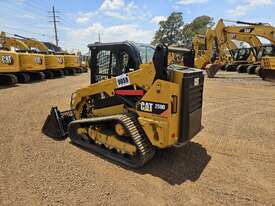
x: 157, y: 19
x: 186, y: 2
x: 111, y: 34
x: 84, y: 17
x: 247, y: 6
x: 121, y: 10
x: 111, y: 5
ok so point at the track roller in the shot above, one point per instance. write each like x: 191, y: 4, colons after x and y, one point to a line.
x: 71, y: 72
x: 23, y: 77
x: 231, y: 67
x: 49, y: 74
x: 135, y: 136
x: 37, y: 76
x: 8, y: 80
x: 58, y: 73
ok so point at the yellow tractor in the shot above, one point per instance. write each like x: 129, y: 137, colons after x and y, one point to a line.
x: 135, y: 104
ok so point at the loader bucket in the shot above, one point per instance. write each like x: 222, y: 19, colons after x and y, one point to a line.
x: 56, y: 123
x: 212, y: 69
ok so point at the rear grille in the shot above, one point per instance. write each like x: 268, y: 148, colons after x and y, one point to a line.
x: 195, y: 98
x: 191, y: 107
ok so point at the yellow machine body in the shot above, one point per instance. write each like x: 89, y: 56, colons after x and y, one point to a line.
x: 151, y: 105
x: 31, y: 61
x: 27, y: 61
x: 71, y: 61
x: 9, y: 62
x: 52, y: 61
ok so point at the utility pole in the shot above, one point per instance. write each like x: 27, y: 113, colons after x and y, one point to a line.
x: 55, y: 25
x: 99, y: 39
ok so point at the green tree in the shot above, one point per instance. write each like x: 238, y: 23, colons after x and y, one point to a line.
x: 197, y: 26
x: 170, y: 30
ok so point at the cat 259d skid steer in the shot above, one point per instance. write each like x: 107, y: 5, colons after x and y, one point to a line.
x: 134, y: 104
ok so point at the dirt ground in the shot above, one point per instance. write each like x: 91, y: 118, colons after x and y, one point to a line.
x: 231, y: 162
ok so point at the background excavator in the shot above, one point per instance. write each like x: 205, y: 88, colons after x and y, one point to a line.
x: 9, y: 66
x: 262, y: 51
x: 211, y: 53
x: 54, y: 64
x: 31, y: 64
x: 57, y: 63
x: 135, y: 104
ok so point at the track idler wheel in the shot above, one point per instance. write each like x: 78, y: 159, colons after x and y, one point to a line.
x: 23, y: 77
x: 8, y: 80
x: 37, y: 76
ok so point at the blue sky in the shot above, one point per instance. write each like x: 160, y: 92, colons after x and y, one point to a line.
x: 82, y: 20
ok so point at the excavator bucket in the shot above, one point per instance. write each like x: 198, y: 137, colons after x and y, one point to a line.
x: 56, y: 123
x: 212, y: 69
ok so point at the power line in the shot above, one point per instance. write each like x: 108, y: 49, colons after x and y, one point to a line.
x: 25, y: 31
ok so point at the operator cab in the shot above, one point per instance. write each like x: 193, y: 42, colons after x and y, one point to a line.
x: 113, y: 59
x: 266, y: 50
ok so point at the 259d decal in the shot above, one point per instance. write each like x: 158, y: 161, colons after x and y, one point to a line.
x: 152, y: 107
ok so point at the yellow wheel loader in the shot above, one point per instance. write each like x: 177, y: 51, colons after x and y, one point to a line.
x: 31, y: 64
x: 134, y: 105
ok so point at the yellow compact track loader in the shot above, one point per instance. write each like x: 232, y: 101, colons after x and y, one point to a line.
x: 135, y: 104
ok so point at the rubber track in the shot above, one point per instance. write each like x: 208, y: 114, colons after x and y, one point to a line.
x: 145, y: 150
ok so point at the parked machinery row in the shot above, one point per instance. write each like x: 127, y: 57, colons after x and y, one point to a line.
x: 25, y: 59
x: 214, y: 50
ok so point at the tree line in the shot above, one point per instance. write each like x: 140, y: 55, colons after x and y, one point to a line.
x: 174, y: 31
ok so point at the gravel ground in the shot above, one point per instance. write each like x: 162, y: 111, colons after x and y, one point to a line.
x: 231, y: 162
